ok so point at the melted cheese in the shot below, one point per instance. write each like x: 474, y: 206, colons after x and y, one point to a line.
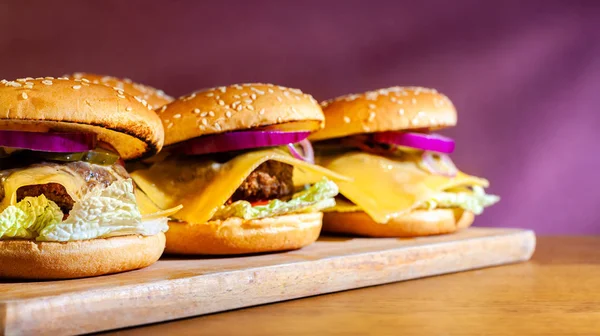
x: 73, y: 182
x: 203, y: 186
x: 389, y: 187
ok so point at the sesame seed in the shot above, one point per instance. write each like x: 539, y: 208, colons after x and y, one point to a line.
x: 222, y: 89
x: 3, y: 81
x: 76, y: 87
x: 297, y: 97
x: 257, y: 91
x: 13, y: 84
x: 170, y: 125
x: 222, y: 103
x: 393, y: 99
x: 24, y: 95
x: 294, y: 110
x: 77, y: 80
x: 236, y: 96
x: 39, y: 78
x: 401, y: 112
x: 248, y: 101
x: 279, y: 119
x: 366, y: 128
x: 286, y: 93
x: 202, y: 127
x: 270, y: 90
x: 236, y: 86
x: 244, y: 94
x: 217, y: 97
x: 211, y: 113
x: 47, y: 82
x: 50, y: 78
x: 371, y: 116
x: 253, y: 96
x: 85, y: 80
x: 203, y: 114
x: 119, y: 95
x: 346, y: 119
x: 21, y: 80
x: 414, y: 101
x: 372, y: 106
x: 261, y: 112
x: 162, y: 109
x: 63, y: 78
x: 217, y: 126
x: 196, y: 110
x: 279, y: 99
x: 228, y: 114
x: 250, y: 107
x: 204, y: 122
x: 177, y: 116
x: 239, y: 108
x: 128, y: 109
x: 235, y: 103
x: 210, y: 94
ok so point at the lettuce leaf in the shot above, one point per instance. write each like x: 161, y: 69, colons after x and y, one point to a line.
x: 28, y: 216
x: 315, y: 198
x: 474, y: 201
x: 101, y: 213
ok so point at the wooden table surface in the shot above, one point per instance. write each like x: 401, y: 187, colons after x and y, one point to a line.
x: 556, y: 293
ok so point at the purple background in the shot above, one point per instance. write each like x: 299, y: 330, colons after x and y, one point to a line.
x: 525, y: 76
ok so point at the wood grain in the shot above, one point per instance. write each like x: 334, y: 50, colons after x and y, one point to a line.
x: 182, y: 287
x: 556, y: 293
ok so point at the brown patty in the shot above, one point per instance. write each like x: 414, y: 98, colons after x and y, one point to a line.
x: 93, y: 175
x: 270, y: 180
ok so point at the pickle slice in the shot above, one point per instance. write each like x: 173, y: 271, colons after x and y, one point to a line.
x: 97, y: 156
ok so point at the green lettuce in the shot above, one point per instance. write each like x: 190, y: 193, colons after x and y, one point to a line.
x: 315, y: 198
x: 26, y: 218
x: 474, y: 201
x: 101, y: 213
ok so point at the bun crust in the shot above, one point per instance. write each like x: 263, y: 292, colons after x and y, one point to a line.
x: 391, y: 109
x: 238, y: 107
x: 237, y: 236
x: 415, y: 224
x: 154, y: 97
x: 119, y: 119
x: 26, y: 259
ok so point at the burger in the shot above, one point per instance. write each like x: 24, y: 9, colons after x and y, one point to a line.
x: 67, y: 205
x: 155, y: 98
x: 404, y: 182
x: 238, y: 160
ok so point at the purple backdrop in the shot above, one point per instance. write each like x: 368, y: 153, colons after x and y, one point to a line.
x: 525, y: 77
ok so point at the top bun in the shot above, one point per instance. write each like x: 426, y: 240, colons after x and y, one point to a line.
x: 76, y: 105
x: 391, y: 109
x: 154, y: 97
x: 239, y: 107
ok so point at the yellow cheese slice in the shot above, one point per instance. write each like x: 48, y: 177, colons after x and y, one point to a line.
x: 387, y: 187
x: 202, y: 186
x: 74, y: 184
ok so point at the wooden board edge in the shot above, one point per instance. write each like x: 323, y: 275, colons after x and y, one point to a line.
x: 180, y: 298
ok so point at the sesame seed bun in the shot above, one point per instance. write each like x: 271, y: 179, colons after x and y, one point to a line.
x: 26, y: 259
x: 239, y: 236
x: 74, y: 105
x: 391, y: 109
x: 154, y: 97
x: 238, y: 107
x: 417, y: 223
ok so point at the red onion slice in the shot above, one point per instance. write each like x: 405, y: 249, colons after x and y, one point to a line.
x: 308, y: 152
x: 232, y: 141
x: 441, y: 166
x: 428, y: 142
x: 48, y: 141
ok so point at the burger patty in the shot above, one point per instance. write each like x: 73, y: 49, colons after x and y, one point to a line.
x: 270, y: 180
x: 92, y: 174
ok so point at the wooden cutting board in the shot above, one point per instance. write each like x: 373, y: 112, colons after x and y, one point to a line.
x: 178, y: 287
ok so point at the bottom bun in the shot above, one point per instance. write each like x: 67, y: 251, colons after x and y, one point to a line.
x: 239, y: 236
x: 26, y: 259
x: 415, y: 224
